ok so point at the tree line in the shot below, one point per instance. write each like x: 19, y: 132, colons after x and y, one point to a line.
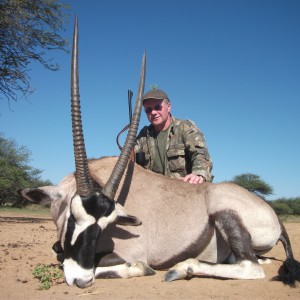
x: 17, y: 173
x: 254, y: 184
x: 286, y: 206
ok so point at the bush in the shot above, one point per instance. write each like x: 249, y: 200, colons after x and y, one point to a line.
x: 16, y: 173
x: 285, y: 206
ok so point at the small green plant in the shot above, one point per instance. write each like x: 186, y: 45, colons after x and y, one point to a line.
x: 47, y: 275
x: 153, y: 86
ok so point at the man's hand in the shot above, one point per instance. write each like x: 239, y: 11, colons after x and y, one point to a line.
x: 193, y: 179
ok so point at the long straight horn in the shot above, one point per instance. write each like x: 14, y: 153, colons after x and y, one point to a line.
x: 82, y: 175
x: 113, y: 182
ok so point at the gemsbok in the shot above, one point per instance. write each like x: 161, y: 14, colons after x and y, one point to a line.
x: 211, y: 229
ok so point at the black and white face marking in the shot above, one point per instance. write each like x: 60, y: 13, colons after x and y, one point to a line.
x: 87, y: 218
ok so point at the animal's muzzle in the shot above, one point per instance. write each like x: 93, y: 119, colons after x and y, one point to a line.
x: 84, y: 284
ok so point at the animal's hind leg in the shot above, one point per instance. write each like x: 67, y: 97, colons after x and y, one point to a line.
x: 126, y: 270
x: 239, y: 241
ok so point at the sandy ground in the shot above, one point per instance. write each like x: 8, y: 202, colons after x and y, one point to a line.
x: 27, y: 240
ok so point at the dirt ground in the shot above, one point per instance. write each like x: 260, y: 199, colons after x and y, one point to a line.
x: 26, y: 241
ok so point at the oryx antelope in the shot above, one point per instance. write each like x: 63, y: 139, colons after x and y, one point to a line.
x: 209, y: 229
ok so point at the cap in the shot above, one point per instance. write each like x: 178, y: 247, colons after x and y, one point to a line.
x: 155, y: 94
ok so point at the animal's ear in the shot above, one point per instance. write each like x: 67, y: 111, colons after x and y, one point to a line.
x: 123, y: 218
x: 128, y: 220
x: 42, y: 195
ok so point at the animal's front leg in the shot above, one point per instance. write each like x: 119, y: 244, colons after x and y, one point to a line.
x: 242, y: 270
x: 181, y: 270
x: 126, y: 270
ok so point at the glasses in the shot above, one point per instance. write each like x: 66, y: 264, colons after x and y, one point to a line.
x: 157, y: 107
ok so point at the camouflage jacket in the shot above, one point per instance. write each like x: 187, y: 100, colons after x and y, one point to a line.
x: 186, y: 150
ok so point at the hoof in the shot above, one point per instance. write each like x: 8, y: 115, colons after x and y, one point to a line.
x: 190, y: 273
x: 171, y: 276
x: 147, y: 271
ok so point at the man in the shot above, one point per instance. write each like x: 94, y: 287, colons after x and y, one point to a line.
x: 170, y: 146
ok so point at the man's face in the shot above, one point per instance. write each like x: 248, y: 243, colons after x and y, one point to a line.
x: 158, y: 112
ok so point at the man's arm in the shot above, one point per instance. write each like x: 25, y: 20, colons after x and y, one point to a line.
x: 198, y: 153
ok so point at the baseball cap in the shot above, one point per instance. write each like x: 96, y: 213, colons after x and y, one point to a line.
x: 155, y: 94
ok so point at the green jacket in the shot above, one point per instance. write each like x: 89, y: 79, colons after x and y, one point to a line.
x: 186, y: 150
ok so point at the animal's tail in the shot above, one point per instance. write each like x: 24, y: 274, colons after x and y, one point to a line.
x: 289, y: 272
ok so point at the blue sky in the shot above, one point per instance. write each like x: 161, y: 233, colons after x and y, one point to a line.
x: 233, y: 67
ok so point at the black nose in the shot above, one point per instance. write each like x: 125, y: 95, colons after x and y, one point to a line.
x: 57, y: 247
x: 59, y: 251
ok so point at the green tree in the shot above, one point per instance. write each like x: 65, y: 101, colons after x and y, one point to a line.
x: 286, y: 206
x: 28, y: 29
x: 282, y: 208
x: 294, y: 203
x: 253, y: 183
x: 15, y: 171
